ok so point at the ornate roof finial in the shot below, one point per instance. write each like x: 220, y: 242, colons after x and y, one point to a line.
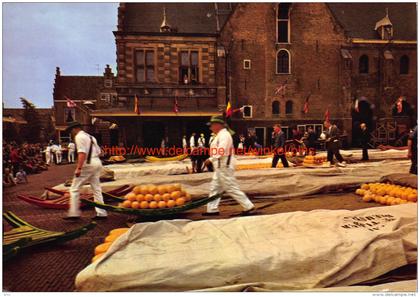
x: 384, y: 22
x: 165, y: 27
x: 384, y: 27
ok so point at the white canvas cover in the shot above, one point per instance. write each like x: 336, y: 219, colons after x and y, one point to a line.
x: 289, y: 251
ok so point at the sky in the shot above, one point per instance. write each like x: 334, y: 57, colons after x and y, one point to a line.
x: 38, y: 37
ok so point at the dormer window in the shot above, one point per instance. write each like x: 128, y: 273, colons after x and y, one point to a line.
x: 283, y: 23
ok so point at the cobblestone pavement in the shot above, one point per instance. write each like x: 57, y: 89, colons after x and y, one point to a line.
x: 54, y: 268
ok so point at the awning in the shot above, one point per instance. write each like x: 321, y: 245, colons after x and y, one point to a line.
x: 13, y: 120
x: 155, y: 114
x: 388, y: 55
x: 346, y: 54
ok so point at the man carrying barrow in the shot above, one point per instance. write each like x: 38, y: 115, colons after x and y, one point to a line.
x: 222, y: 157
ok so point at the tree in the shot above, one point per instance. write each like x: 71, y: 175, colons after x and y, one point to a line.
x: 11, y: 133
x: 31, y: 130
x: 49, y: 129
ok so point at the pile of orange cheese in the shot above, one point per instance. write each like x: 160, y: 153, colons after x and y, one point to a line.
x: 152, y: 196
x: 101, y: 249
x: 387, y: 194
x: 314, y: 160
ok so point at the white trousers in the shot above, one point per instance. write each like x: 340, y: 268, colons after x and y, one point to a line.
x: 90, y: 173
x: 58, y: 157
x: 48, y: 158
x: 225, y: 181
x: 70, y: 156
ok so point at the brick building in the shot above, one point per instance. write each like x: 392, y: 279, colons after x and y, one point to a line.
x: 89, y: 93
x: 331, y: 55
x: 166, y: 56
x: 352, y: 59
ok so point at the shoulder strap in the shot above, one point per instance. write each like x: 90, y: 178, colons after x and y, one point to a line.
x: 90, y: 151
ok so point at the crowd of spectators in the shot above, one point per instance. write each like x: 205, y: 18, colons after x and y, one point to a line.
x: 19, y: 160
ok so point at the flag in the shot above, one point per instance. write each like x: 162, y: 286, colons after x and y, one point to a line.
x: 239, y: 109
x: 176, y: 107
x: 400, y: 105
x: 327, y: 115
x: 70, y: 103
x: 136, y: 105
x: 281, y: 89
x: 306, y: 105
x: 356, y: 105
x: 228, y: 110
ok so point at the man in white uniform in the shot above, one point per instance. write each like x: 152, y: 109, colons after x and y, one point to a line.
x: 201, y: 141
x: 88, y: 169
x: 53, y: 152
x: 70, y: 153
x: 212, y: 136
x: 184, y: 144
x: 192, y: 141
x: 222, y: 157
x: 48, y: 155
x: 58, y: 154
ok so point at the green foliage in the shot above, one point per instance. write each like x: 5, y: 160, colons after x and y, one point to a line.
x: 32, y: 130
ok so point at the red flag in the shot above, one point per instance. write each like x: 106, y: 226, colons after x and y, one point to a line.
x: 228, y: 110
x: 70, y: 103
x: 327, y: 115
x: 306, y: 105
x: 356, y: 105
x: 136, y: 105
x: 400, y: 105
x: 176, y: 107
x: 239, y: 109
x: 281, y: 89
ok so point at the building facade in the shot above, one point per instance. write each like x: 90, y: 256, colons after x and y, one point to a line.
x: 88, y: 93
x: 166, y: 58
x: 329, y: 57
x: 293, y: 63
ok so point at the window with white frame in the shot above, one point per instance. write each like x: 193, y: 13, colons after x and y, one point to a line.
x: 247, y: 64
x: 247, y: 111
x: 283, y: 23
x: 283, y: 62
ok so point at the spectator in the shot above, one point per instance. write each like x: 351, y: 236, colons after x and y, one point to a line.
x: 8, y: 180
x: 412, y: 151
x: 21, y: 177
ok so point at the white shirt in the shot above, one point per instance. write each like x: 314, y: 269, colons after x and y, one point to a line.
x: 58, y: 150
x: 71, y: 146
x: 201, y: 142
x: 54, y: 148
x: 184, y: 142
x: 192, y: 141
x: 221, y: 146
x: 82, y: 140
x: 211, y: 139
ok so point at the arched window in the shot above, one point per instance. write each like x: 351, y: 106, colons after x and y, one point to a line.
x: 283, y: 22
x: 289, y: 107
x: 283, y: 61
x: 275, y: 108
x: 364, y: 64
x: 404, y: 64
